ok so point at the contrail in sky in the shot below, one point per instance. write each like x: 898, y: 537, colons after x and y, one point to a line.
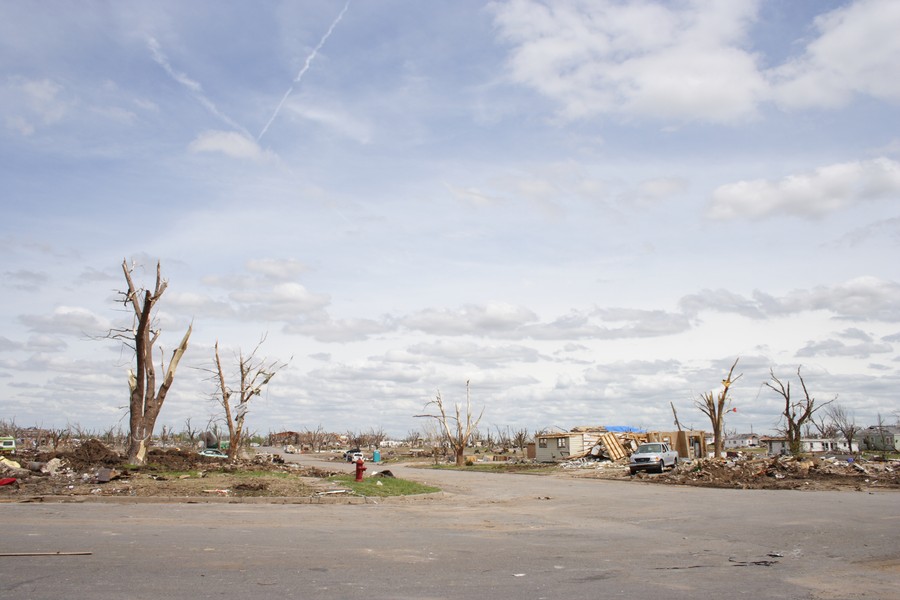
x: 303, y: 71
x: 191, y: 85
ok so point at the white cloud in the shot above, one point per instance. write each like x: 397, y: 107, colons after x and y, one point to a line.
x: 67, y: 320
x: 323, y: 328
x: 30, y: 103
x: 470, y: 319
x: 282, y: 302
x: 862, y: 299
x: 812, y: 194
x: 840, y: 348
x: 464, y: 352
x: 857, y: 52
x: 862, y: 345
x: 229, y: 143
x: 278, y: 269
x: 198, y: 304
x: 26, y: 280
x: 8, y: 345
x: 636, y: 58
x: 45, y: 343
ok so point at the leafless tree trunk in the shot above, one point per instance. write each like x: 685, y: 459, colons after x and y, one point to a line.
x: 254, y: 374
x: 189, y: 432
x: 457, y: 429
x: 504, y: 437
x: 375, y: 436
x: 315, y: 438
x: 520, y: 438
x: 675, y: 414
x: 355, y: 438
x: 715, y: 407
x: 844, y: 422
x: 413, y: 438
x: 796, y: 412
x: 57, y: 436
x: 146, y: 399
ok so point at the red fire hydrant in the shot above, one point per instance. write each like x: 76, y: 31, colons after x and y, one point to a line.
x: 359, y: 469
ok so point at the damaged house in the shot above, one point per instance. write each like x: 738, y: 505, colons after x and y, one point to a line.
x: 613, y: 443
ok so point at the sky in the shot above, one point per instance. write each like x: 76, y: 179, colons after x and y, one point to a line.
x: 587, y: 210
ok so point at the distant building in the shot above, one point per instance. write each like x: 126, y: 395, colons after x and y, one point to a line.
x: 741, y: 440
x: 777, y: 446
x: 881, y: 437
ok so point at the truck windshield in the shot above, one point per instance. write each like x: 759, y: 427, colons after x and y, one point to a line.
x: 646, y: 448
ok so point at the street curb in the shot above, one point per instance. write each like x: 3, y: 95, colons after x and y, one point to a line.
x: 224, y: 499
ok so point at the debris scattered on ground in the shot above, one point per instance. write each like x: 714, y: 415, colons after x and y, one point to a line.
x: 93, y: 469
x: 784, y: 472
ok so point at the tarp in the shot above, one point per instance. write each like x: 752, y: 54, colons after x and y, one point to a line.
x: 625, y: 429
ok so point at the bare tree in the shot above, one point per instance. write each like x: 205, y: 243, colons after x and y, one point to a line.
x: 504, y: 437
x: 189, y: 432
x: 165, y: 433
x: 375, y: 437
x: 457, y: 429
x: 146, y: 399
x: 355, y: 438
x: 413, y: 438
x: 796, y: 412
x: 715, y: 406
x: 253, y: 375
x: 58, y: 436
x: 314, y: 438
x: 520, y: 438
x: 843, y: 422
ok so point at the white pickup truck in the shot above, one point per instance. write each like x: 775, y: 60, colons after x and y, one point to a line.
x: 652, y: 456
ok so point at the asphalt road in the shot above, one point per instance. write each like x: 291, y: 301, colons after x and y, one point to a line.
x: 491, y: 536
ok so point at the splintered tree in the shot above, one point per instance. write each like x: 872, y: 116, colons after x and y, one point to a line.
x: 796, y: 413
x: 715, y: 406
x: 457, y: 429
x: 146, y: 399
x: 253, y: 375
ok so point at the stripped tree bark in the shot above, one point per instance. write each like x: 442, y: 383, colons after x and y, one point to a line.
x: 715, y: 407
x: 253, y: 375
x: 146, y: 399
x: 456, y: 429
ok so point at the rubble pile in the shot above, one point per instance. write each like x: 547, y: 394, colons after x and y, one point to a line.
x: 87, y: 454
x: 784, y: 472
x: 92, y: 468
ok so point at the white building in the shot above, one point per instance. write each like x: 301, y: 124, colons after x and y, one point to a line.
x: 776, y: 446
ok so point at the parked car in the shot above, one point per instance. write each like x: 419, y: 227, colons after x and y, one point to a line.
x: 353, y: 455
x: 213, y: 453
x: 652, y: 456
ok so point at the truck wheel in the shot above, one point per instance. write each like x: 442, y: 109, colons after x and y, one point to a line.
x: 662, y: 465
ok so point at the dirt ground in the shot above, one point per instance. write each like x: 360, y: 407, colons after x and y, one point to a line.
x: 92, y: 469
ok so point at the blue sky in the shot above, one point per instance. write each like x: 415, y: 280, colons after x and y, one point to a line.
x: 586, y: 209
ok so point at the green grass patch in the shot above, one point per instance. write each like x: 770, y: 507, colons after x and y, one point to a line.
x: 390, y: 486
